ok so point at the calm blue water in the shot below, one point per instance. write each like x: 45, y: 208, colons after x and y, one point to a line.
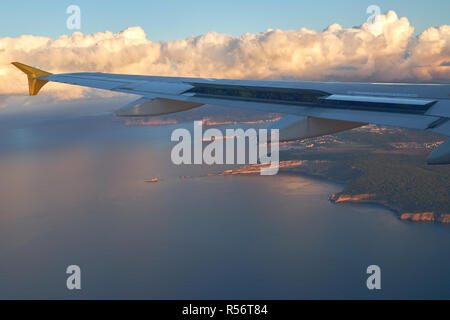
x: 72, y: 192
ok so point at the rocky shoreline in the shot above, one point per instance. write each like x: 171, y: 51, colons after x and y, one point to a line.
x: 422, y: 217
x: 318, y: 169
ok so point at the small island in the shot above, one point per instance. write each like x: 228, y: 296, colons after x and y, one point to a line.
x: 154, y: 180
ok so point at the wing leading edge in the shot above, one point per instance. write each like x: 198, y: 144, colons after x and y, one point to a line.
x: 318, y: 108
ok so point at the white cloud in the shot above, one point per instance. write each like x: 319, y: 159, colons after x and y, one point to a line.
x: 385, y: 51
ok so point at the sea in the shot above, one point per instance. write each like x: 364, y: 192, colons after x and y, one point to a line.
x: 73, y: 192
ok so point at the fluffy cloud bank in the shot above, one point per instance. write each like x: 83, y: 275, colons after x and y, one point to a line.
x: 384, y: 51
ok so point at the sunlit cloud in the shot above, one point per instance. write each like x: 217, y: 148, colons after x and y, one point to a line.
x: 385, y: 51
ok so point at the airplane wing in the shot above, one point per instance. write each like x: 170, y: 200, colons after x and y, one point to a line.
x: 316, y: 108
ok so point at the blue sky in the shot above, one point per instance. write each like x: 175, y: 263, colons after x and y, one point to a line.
x: 173, y: 19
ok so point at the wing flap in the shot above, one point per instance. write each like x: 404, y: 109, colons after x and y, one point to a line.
x: 155, y: 107
x: 298, y: 128
x: 413, y: 121
x: 443, y: 128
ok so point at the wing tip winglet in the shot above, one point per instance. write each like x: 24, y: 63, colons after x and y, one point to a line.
x: 34, y: 84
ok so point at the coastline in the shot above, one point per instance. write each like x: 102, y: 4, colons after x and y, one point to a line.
x: 367, y: 199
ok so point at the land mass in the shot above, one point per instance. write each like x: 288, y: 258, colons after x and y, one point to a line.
x: 379, y: 165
